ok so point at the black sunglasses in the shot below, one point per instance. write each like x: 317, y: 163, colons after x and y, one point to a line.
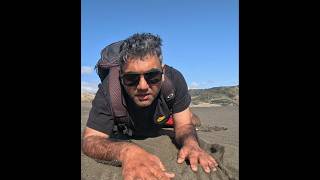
x: 132, y: 79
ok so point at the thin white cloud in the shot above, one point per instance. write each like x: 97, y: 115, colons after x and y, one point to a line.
x: 194, y: 85
x: 86, y: 69
x: 89, y: 87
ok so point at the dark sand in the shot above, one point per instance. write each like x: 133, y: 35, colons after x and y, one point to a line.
x: 218, y: 134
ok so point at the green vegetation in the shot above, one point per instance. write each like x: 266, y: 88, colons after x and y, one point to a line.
x: 217, y: 95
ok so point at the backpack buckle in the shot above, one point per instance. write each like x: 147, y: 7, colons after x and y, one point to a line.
x: 125, y: 129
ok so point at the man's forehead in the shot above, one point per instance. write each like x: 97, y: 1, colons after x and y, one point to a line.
x: 142, y: 64
x: 144, y: 58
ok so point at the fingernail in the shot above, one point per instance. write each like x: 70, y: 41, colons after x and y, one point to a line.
x: 170, y: 174
x: 180, y: 160
x: 214, y: 169
x: 194, y: 168
x: 207, y: 170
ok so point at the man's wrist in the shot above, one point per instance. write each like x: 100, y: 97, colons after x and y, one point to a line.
x: 127, y: 150
x: 191, y: 142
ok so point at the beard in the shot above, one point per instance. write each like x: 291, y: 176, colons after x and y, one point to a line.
x: 143, y: 103
x: 144, y: 99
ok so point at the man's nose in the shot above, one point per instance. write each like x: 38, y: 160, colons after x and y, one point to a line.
x: 143, y: 84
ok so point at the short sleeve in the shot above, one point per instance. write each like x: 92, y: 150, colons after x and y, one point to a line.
x: 183, y: 98
x: 100, y: 116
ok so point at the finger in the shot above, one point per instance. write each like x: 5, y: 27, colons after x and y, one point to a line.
x: 213, y: 161
x: 212, y: 166
x: 194, y: 163
x: 160, y: 175
x: 165, y: 177
x: 157, y: 171
x: 161, y: 166
x: 169, y: 174
x: 182, y: 155
x: 204, y: 164
x: 148, y: 175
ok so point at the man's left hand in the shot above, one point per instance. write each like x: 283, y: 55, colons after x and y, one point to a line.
x: 197, y: 156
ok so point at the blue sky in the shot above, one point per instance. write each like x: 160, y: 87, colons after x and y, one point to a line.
x: 200, y: 37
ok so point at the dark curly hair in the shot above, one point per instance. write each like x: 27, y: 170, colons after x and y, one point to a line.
x: 139, y: 46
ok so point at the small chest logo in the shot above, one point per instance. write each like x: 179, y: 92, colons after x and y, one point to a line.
x: 161, y: 118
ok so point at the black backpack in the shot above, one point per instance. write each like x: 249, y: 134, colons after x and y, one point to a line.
x: 108, y: 67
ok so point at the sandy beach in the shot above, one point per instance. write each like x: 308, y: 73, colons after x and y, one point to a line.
x: 218, y: 135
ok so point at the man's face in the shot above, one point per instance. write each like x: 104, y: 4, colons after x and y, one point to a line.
x: 147, y: 86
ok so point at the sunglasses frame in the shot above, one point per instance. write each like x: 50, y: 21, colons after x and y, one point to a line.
x: 136, y: 82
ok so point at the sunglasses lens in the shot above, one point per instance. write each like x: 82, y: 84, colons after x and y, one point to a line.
x: 131, y: 79
x: 153, y: 77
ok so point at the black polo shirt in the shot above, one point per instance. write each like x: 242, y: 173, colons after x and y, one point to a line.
x: 144, y: 119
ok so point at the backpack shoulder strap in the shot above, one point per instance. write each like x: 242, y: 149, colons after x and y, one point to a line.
x: 115, y: 93
x: 167, y: 88
x: 120, y: 113
x: 108, y: 70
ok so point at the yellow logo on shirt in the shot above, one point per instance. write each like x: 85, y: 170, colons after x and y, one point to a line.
x: 161, y: 118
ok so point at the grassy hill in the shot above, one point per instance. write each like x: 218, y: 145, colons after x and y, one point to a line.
x: 217, y: 95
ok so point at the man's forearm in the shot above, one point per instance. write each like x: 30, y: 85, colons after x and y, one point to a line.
x: 186, y: 134
x: 105, y: 149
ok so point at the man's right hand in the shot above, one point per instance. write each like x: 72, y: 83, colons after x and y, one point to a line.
x: 139, y: 164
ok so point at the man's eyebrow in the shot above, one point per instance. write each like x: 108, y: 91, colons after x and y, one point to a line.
x: 151, y: 70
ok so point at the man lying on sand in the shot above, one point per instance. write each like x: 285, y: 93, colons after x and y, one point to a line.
x: 148, y: 109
